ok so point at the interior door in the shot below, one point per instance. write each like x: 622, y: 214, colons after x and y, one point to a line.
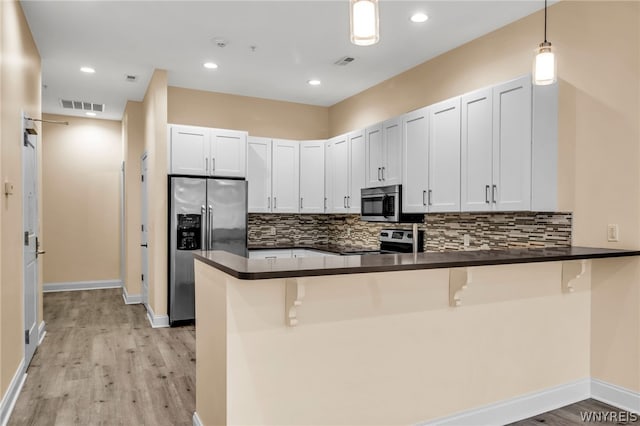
x: 144, y: 242
x: 30, y: 232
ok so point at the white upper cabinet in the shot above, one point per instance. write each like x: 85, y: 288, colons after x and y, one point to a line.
x: 443, y: 194
x: 357, y: 169
x: 383, y: 145
x: 189, y: 150
x: 286, y: 176
x: 477, y: 150
x: 415, y: 151
x: 373, y: 153
x: 392, y: 152
x: 259, y: 175
x: 511, y: 188
x: 340, y: 179
x: 228, y: 153
x: 312, y: 176
x: 207, y: 152
x: 328, y: 176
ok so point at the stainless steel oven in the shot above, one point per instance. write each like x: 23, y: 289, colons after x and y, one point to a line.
x: 384, y: 204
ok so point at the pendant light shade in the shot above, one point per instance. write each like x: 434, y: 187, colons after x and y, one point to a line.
x: 364, y: 22
x: 544, y: 64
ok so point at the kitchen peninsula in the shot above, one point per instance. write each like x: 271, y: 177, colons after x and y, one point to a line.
x: 393, y: 339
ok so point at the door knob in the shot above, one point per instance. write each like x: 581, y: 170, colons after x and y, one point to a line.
x: 144, y: 245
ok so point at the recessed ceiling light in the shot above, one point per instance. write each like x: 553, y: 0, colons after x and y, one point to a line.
x: 210, y: 65
x: 419, y: 17
x: 314, y: 82
x: 91, y: 114
x: 88, y: 70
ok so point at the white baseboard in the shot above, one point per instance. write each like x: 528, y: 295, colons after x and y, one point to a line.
x: 615, y: 395
x: 157, y: 321
x: 196, y: 420
x: 130, y: 299
x: 519, y: 408
x: 41, y: 332
x: 11, y: 396
x: 81, y: 285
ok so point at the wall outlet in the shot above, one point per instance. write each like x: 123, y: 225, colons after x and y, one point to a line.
x: 613, y: 232
x: 272, y: 230
x: 466, y: 240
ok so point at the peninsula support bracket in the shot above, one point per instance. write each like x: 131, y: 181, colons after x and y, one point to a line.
x: 571, y: 271
x: 459, y: 279
x: 294, y: 293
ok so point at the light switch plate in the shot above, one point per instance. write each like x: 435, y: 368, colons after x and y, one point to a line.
x: 8, y: 188
x: 612, y: 232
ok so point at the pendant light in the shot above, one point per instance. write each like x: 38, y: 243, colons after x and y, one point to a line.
x: 364, y: 22
x: 544, y: 64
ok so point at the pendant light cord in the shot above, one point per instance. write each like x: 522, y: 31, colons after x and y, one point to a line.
x: 545, y: 21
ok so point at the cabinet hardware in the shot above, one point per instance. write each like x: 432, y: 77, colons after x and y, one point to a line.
x: 383, y: 173
x: 271, y: 257
x: 325, y: 203
x: 348, y: 201
x: 344, y: 201
x: 424, y: 196
x: 203, y: 239
x: 275, y: 203
x: 486, y: 194
x: 494, y: 189
x: 300, y: 203
x: 379, y: 168
x: 429, y: 197
x: 206, y: 165
x: 210, y: 236
x: 213, y: 165
x: 269, y: 202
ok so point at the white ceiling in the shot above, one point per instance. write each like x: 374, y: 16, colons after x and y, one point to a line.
x: 295, y: 42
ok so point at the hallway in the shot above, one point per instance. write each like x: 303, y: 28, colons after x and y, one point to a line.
x: 102, y: 363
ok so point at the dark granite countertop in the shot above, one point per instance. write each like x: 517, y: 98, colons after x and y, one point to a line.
x: 330, y: 248
x: 256, y: 269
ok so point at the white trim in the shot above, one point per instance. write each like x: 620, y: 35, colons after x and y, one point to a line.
x: 157, y: 321
x: 81, y: 285
x: 521, y: 407
x: 11, y: 396
x: 196, y: 420
x: 615, y: 395
x: 42, y: 331
x: 130, y: 299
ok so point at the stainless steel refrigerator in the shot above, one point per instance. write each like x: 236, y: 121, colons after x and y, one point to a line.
x: 205, y: 214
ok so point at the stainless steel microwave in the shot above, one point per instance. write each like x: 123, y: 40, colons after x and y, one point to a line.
x: 384, y: 204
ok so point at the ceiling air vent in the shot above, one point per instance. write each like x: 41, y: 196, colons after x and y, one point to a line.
x: 345, y: 60
x: 81, y: 106
x: 131, y: 78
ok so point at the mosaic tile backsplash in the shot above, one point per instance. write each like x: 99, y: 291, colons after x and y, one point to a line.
x: 443, y: 232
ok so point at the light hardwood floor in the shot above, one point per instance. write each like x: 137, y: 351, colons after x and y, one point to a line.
x: 572, y: 415
x: 102, y: 364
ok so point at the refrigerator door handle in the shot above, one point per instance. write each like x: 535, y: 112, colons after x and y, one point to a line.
x: 203, y: 227
x: 210, y: 228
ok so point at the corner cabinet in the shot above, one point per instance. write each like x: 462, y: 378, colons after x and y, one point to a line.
x: 312, y: 163
x: 273, y: 175
x: 201, y: 151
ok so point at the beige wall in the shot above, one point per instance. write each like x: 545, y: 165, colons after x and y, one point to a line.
x: 132, y: 148
x: 155, y: 136
x: 81, y: 190
x: 20, y: 82
x: 260, y: 117
x: 599, y: 139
